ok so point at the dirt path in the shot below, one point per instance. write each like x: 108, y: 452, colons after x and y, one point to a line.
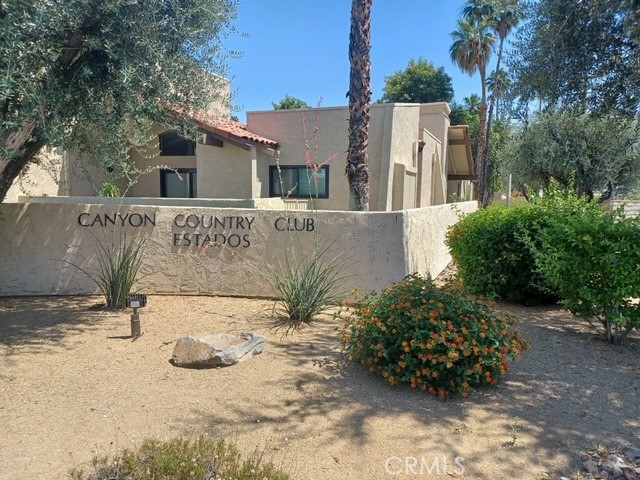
x: 72, y: 384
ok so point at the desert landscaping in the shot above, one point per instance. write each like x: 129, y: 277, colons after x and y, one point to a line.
x: 74, y: 384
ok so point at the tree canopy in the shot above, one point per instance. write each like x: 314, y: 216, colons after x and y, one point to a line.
x: 420, y: 82
x: 290, y: 103
x: 597, y: 153
x: 91, y: 75
x: 580, y: 55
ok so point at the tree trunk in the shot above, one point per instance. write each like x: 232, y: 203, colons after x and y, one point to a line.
x: 484, y: 155
x: 481, y: 166
x: 357, y: 169
x: 26, y: 142
x: 10, y: 168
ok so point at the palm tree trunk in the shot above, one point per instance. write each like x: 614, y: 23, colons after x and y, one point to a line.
x: 357, y: 169
x: 487, y: 144
x: 481, y: 167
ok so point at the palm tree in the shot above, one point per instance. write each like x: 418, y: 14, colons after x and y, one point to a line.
x: 357, y: 169
x: 497, y: 83
x: 472, y: 102
x: 471, y: 51
x: 505, y: 16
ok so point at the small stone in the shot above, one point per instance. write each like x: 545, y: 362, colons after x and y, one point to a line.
x: 630, y: 473
x: 216, y: 349
x: 613, y: 467
x: 589, y: 465
x: 632, y: 453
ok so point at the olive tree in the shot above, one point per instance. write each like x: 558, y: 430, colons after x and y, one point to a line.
x: 596, y: 153
x: 91, y: 75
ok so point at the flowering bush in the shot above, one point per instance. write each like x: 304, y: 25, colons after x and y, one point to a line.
x: 435, y: 339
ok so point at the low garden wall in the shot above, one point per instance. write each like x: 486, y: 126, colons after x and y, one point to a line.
x: 213, y: 251
x: 631, y: 207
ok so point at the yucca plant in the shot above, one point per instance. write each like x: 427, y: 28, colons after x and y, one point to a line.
x: 109, y: 189
x: 308, y: 284
x: 116, y: 269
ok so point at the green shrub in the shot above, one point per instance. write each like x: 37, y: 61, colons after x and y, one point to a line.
x: 492, y: 259
x: 592, y: 259
x: 492, y: 248
x: 308, y: 284
x: 202, y: 459
x: 435, y: 339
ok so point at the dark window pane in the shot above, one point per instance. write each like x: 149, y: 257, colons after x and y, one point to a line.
x: 182, y: 184
x: 313, y: 184
x: 172, y: 144
x: 299, y: 182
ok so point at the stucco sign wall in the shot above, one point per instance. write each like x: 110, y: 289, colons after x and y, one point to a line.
x: 218, y: 251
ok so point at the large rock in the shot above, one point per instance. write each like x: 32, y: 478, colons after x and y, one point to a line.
x: 217, y: 349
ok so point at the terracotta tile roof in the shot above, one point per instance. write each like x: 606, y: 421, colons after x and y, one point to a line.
x: 226, y: 128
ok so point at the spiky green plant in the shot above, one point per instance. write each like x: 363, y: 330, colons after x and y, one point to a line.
x: 109, y: 189
x: 116, y: 268
x: 308, y: 284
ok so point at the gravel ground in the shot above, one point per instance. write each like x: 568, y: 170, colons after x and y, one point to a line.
x: 72, y: 384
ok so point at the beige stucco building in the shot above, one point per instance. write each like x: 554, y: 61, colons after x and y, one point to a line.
x: 242, y: 199
x: 416, y: 159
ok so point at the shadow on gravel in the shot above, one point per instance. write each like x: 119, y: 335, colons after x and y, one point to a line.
x: 551, y: 396
x: 50, y: 320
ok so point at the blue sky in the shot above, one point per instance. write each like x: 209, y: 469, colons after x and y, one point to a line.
x: 300, y: 48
